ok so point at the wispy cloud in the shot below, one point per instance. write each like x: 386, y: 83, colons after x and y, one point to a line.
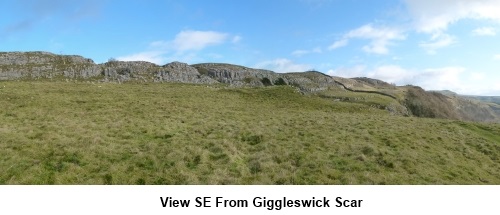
x: 197, y: 40
x: 236, y: 39
x: 149, y: 56
x: 301, y: 52
x: 184, y: 46
x: 349, y: 72
x: 437, y: 41
x: 484, y: 31
x: 442, y: 78
x: 282, y: 65
x: 191, y: 41
x: 380, y: 37
x: 453, y: 78
x: 32, y: 12
x: 496, y: 57
x: 433, y: 16
x: 339, y: 43
x: 445, y: 78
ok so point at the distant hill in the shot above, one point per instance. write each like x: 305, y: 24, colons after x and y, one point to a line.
x: 402, y: 100
x: 475, y: 108
x: 488, y: 99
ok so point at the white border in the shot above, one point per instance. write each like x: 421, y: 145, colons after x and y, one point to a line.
x: 108, y: 200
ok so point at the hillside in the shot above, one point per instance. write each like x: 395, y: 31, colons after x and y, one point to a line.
x: 67, y: 120
x: 474, y: 108
x: 57, y: 132
x: 407, y: 101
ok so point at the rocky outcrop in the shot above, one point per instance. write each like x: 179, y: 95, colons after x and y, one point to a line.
x: 234, y: 75
x: 311, y: 81
x: 375, y: 83
x: 120, y: 71
x: 237, y: 75
x: 183, y: 73
x: 25, y: 58
x: 45, y: 65
x: 36, y: 65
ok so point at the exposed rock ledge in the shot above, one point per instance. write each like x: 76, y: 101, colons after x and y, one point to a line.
x: 45, y: 65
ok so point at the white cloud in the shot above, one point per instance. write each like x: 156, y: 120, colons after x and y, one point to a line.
x: 428, y: 78
x: 496, y: 57
x: 192, y: 41
x: 356, y: 71
x: 477, y: 76
x: 299, y: 53
x: 283, y: 65
x: 388, y: 73
x: 150, y: 56
x: 433, y: 16
x: 446, y: 78
x: 380, y: 37
x: 184, y: 47
x: 236, y: 39
x: 339, y: 43
x: 197, y: 40
x: 457, y: 79
x: 484, y: 31
x: 391, y: 74
x: 437, y: 41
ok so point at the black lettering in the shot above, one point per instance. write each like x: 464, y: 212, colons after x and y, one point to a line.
x: 326, y: 202
x: 339, y: 203
x: 198, y: 202
x: 184, y: 203
x: 306, y: 203
x: 205, y: 203
x: 217, y: 202
x: 169, y: 202
x: 348, y: 203
x: 164, y: 202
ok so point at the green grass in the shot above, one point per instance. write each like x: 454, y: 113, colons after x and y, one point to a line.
x: 84, y: 133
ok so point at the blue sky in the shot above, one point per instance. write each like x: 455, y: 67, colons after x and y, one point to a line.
x: 436, y: 44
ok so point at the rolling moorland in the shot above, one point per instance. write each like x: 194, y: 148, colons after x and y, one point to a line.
x: 67, y: 120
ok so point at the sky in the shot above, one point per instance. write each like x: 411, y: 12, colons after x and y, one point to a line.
x: 436, y: 44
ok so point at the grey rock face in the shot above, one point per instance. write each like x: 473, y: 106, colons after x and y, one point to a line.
x: 236, y: 75
x: 183, y: 73
x: 311, y: 81
x: 121, y: 71
x: 23, y: 58
x: 35, y: 65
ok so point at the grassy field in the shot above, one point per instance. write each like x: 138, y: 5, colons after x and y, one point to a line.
x: 105, y: 133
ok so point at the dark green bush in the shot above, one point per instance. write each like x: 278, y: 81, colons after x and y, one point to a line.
x: 266, y: 82
x: 280, y: 81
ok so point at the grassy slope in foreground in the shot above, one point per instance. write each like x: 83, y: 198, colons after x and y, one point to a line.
x: 77, y: 133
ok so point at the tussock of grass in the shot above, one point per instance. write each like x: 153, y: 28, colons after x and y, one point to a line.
x: 83, y: 133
